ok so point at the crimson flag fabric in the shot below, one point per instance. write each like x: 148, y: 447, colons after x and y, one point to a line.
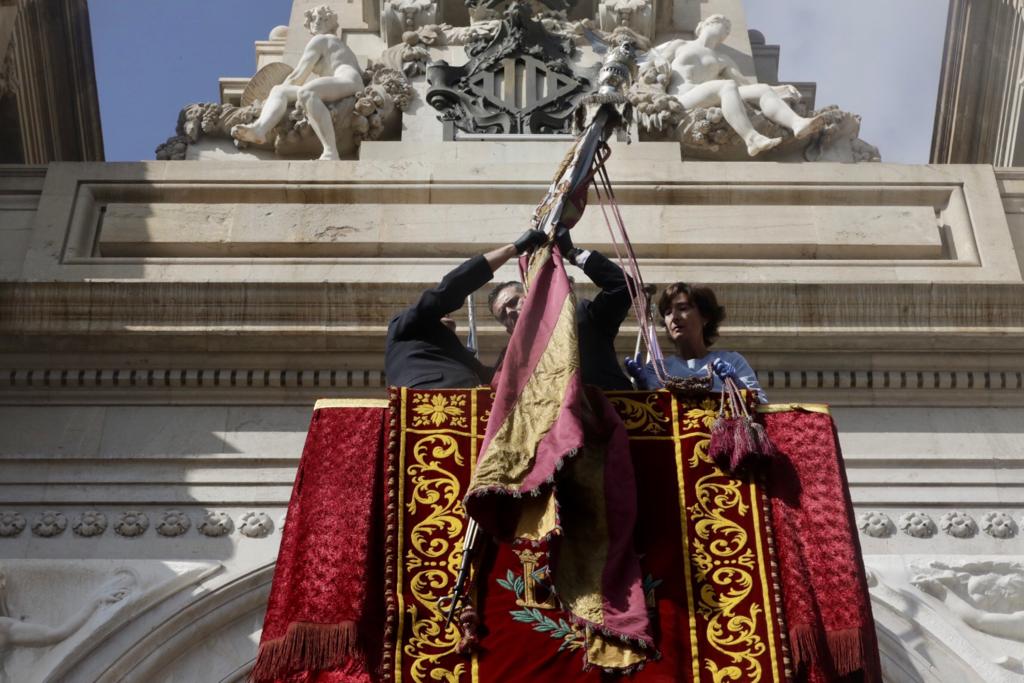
x: 326, y: 609
x: 828, y: 608
x: 552, y: 449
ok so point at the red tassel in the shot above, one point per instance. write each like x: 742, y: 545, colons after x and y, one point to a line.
x: 744, y: 446
x: 765, y: 447
x: 721, y: 439
x: 470, y: 625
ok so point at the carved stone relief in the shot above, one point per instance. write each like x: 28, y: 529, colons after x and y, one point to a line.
x: 131, y: 524
x: 216, y: 524
x: 519, y: 81
x: 11, y: 523
x: 255, y: 525
x: 173, y: 523
x: 24, y: 631
x: 958, y: 524
x: 638, y: 15
x: 999, y: 525
x: 876, y: 524
x: 987, y: 596
x: 398, y: 17
x: 90, y: 523
x: 370, y: 114
x: 49, y: 523
x: 917, y: 524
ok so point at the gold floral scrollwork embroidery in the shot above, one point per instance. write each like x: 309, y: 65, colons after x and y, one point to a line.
x: 433, y: 558
x: 724, y: 560
x: 643, y: 416
x: 439, y: 410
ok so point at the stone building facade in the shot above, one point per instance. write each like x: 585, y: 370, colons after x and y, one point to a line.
x: 165, y: 327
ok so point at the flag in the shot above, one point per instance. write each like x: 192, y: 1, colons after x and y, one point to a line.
x: 555, y: 460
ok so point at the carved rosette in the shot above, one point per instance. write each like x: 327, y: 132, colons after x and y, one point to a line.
x: 50, y: 523
x: 255, y: 525
x: 917, y: 524
x: 216, y: 524
x: 876, y: 524
x: 958, y: 524
x: 11, y: 523
x: 173, y: 523
x: 998, y: 525
x: 90, y: 523
x: 131, y: 524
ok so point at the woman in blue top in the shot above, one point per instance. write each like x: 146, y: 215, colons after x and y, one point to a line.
x: 691, y: 316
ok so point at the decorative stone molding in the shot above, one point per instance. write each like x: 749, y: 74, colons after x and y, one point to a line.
x: 90, y: 523
x: 398, y: 17
x: 638, y: 15
x: 958, y: 524
x: 998, y: 525
x: 917, y: 524
x: 876, y: 524
x: 256, y: 525
x: 49, y: 524
x: 216, y: 524
x: 11, y: 523
x: 131, y: 523
x: 173, y: 523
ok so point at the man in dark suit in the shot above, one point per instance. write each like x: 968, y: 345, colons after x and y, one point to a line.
x: 422, y: 350
x: 598, y: 321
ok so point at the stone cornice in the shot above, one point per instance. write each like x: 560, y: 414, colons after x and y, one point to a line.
x: 106, y: 316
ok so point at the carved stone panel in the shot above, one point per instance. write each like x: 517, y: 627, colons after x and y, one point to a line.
x: 520, y: 81
x: 400, y: 16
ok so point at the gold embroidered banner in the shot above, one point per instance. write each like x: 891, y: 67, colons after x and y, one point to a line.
x: 703, y: 536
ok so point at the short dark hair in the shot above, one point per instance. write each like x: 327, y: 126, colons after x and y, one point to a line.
x: 701, y: 296
x: 492, y: 297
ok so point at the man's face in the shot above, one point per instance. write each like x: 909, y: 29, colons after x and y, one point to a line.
x: 683, y: 320
x: 507, y: 307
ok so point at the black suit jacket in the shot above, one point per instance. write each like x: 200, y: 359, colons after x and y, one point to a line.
x: 420, y: 351
x: 598, y: 323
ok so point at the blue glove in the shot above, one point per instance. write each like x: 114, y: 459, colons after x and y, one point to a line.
x: 645, y: 379
x: 724, y: 369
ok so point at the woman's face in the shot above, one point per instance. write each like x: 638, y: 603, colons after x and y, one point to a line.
x: 684, y: 322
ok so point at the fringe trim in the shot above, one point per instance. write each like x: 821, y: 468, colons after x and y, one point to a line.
x: 306, y: 647
x: 803, y: 642
x: 847, y: 649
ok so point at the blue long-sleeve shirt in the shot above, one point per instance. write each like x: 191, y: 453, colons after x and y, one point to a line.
x: 698, y: 367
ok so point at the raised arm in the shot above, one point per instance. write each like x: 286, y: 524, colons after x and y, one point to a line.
x: 36, y: 635
x: 450, y: 294
x: 307, y: 62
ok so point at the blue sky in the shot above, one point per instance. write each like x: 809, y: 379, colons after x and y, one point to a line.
x: 877, y: 58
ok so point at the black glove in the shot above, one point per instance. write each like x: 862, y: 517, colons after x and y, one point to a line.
x: 529, y: 240
x: 565, y: 245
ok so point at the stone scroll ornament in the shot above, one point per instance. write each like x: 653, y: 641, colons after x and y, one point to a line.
x: 323, y: 108
x: 692, y: 92
x: 496, y: 90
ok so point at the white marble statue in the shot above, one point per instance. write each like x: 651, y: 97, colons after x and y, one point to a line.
x: 16, y: 632
x: 703, y: 76
x: 328, y: 71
